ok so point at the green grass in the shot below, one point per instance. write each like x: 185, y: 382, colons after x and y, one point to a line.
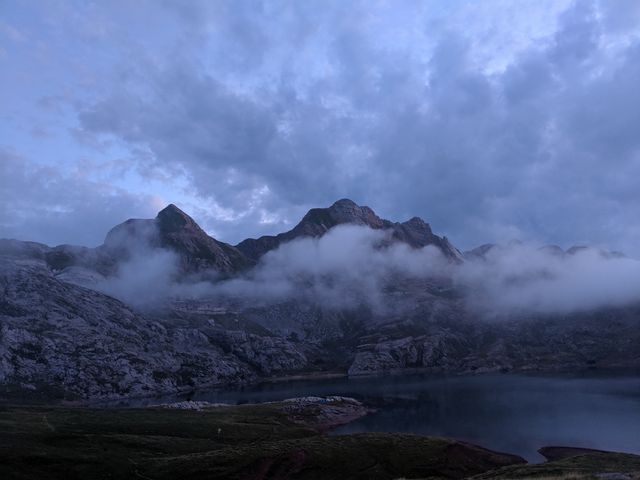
x: 584, y: 466
x: 246, y: 442
x: 239, y: 442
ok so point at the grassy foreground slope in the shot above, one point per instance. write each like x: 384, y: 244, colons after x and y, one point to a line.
x: 266, y: 441
x: 237, y: 442
x: 579, y: 464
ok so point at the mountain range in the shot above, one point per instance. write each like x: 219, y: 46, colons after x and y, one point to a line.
x: 64, y: 336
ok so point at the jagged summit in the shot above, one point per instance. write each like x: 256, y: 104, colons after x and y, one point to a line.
x: 347, y: 211
x: 415, y: 232
x: 174, y: 229
x: 344, y: 202
x: 417, y: 222
x: 318, y: 220
x: 168, y: 220
x: 171, y: 219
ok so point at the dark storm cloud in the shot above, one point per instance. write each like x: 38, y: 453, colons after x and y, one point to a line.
x: 525, y: 150
x: 454, y: 111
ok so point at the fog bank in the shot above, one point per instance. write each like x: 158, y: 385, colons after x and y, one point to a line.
x: 352, y: 266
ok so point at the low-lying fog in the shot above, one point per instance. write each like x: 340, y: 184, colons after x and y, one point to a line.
x: 352, y: 265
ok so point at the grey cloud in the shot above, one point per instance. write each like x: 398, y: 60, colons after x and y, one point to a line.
x: 352, y: 267
x: 144, y: 280
x: 38, y: 203
x: 349, y: 267
x: 620, y: 15
x: 578, y: 35
x: 523, y: 279
x: 343, y: 269
x: 269, y: 108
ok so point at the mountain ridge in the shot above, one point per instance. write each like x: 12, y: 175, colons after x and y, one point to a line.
x: 316, y: 222
x: 59, y: 332
x: 199, y: 252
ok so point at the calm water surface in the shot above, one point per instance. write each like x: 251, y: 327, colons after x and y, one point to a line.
x: 512, y: 413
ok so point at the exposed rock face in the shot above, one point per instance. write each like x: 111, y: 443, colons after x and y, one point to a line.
x: 267, y: 355
x: 599, y: 339
x: 61, y: 340
x: 305, y: 321
x: 318, y: 221
x: 78, y: 342
x: 439, y: 352
x: 175, y: 230
x: 323, y: 413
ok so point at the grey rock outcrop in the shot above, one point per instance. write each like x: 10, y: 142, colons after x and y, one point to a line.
x: 59, y: 340
x: 73, y: 342
x: 442, y: 351
x: 266, y: 354
x: 600, y: 339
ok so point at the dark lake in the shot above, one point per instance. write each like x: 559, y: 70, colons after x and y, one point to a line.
x: 507, y: 412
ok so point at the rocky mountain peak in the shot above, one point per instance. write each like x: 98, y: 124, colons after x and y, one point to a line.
x: 344, y: 203
x: 418, y: 224
x: 196, y: 249
x: 169, y: 222
x: 172, y: 219
x: 197, y: 252
x: 347, y: 211
x: 318, y: 220
x: 415, y: 232
x: 174, y: 230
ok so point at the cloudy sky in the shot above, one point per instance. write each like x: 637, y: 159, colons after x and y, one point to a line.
x: 492, y: 120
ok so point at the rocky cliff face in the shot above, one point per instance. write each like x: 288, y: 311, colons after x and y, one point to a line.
x: 178, y: 232
x: 63, y: 341
x: 603, y: 339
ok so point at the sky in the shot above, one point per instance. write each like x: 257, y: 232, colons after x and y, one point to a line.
x: 492, y: 120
